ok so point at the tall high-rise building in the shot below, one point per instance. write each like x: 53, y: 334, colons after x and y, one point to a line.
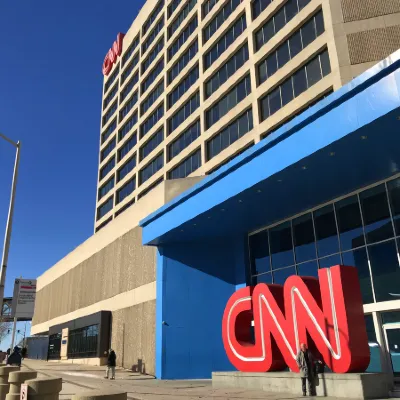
x: 194, y: 83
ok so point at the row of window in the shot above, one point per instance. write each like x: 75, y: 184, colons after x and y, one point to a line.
x: 154, y: 33
x: 226, y: 40
x: 126, y: 190
x: 187, y: 166
x: 184, y: 86
x: 127, y: 71
x: 173, y: 6
x: 296, y: 84
x: 278, y: 21
x: 220, y: 18
x: 158, y: 69
x: 150, y: 169
x: 208, y: 5
x: 291, y: 47
x: 127, y: 147
x: 184, y: 112
x: 128, y: 106
x: 111, y: 111
x: 128, y: 87
x: 183, y: 61
x: 181, y: 17
x: 126, y: 168
x: 181, y: 39
x: 152, y: 97
x: 109, y: 98
x: 151, y: 120
x: 153, y: 55
x: 158, y: 8
x: 104, y: 189
x: 108, y: 149
x: 126, y: 128
x: 227, y: 102
x: 151, y: 144
x: 109, y: 131
x: 111, y: 79
x: 230, y: 134
x: 187, y: 137
x: 131, y: 49
x: 104, y: 171
x: 227, y: 70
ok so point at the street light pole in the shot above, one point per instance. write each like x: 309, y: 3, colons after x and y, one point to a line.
x: 7, y: 236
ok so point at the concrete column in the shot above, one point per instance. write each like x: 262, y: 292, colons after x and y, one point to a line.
x: 101, y: 395
x: 4, y: 386
x: 16, y: 379
x: 44, y: 389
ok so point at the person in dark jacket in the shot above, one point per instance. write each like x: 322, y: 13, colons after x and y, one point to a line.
x: 15, y: 357
x: 306, y: 362
x: 23, y: 352
x: 111, y: 363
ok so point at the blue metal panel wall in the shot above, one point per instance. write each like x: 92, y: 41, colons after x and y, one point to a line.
x: 194, y: 283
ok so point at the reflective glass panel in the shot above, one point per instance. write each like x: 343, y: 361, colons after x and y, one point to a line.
x: 264, y: 278
x: 281, y: 275
x: 385, y: 271
x: 394, y: 196
x: 330, y: 261
x: 325, y: 228
x: 375, y: 359
x: 304, y: 240
x: 308, y: 269
x: 281, y: 245
x: 259, y: 253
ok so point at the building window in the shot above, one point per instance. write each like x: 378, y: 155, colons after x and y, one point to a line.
x: 173, y: 6
x: 125, y: 207
x: 183, y: 61
x: 82, y: 343
x: 54, y: 346
x: 126, y: 168
x: 227, y: 70
x: 150, y: 188
x: 158, y: 69
x: 184, y: 112
x: 154, y: 33
x: 126, y: 128
x: 182, y: 38
x: 151, y: 168
x: 103, y: 224
x: 208, y: 5
x: 151, y: 144
x: 104, y: 171
x: 295, y: 85
x: 151, y: 121
x: 130, y: 51
x: 153, y: 55
x: 127, y: 147
x: 105, y: 208
x: 105, y: 188
x: 226, y: 40
x: 181, y: 17
x: 128, y: 87
x: 187, y: 166
x: 356, y: 230
x: 220, y: 18
x: 126, y: 190
x: 128, y: 70
x: 128, y: 106
x: 291, y: 47
x: 278, y: 21
x: 111, y: 111
x: 183, y: 86
x: 111, y: 79
x: 230, y: 134
x: 108, y: 149
x: 109, y: 131
x: 110, y: 96
x: 184, y: 140
x: 158, y: 8
x: 152, y: 97
x: 229, y: 101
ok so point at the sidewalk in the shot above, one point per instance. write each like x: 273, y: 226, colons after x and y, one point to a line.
x: 78, y: 378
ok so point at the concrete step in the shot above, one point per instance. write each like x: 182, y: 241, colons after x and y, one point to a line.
x: 395, y: 392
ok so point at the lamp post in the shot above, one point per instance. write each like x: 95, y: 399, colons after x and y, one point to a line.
x: 7, y: 235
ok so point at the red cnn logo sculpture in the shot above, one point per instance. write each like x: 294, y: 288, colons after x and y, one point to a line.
x: 113, y: 53
x: 328, y: 311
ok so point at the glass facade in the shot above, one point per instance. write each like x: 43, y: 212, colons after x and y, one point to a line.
x: 128, y: 70
x: 111, y: 79
x: 109, y: 131
x: 158, y: 69
x: 152, y: 120
x: 83, y: 342
x: 126, y: 168
x: 173, y: 6
x: 128, y: 106
x: 131, y: 49
x: 184, y: 86
x: 153, y: 55
x: 104, y: 189
x: 188, y: 136
x: 127, y: 147
x: 126, y: 128
x: 151, y: 144
x: 184, y: 112
x: 157, y: 9
x: 108, y: 149
x: 105, y: 208
x: 208, y: 5
x: 181, y: 17
x: 109, y: 98
x: 151, y: 168
x: 182, y: 38
x: 152, y: 97
x: 104, y: 171
x: 126, y: 190
x: 187, y: 166
x: 179, y: 66
x: 358, y: 230
x: 152, y: 36
x: 128, y: 87
x: 111, y: 111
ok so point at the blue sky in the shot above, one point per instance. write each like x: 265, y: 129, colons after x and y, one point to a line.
x: 50, y: 100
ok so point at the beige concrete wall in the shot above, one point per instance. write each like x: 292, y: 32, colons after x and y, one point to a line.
x: 133, y: 337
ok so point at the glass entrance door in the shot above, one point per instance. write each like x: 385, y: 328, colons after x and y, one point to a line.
x: 392, y: 333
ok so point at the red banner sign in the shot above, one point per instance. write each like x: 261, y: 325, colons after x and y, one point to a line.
x: 329, y: 311
x: 113, y: 53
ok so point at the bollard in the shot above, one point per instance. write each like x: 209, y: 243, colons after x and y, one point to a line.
x: 44, y: 389
x: 4, y: 386
x: 16, y: 379
x: 101, y: 395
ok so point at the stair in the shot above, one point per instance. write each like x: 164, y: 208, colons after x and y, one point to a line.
x: 395, y: 392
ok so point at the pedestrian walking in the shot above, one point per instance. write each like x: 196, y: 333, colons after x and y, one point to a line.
x: 111, y: 364
x: 306, y: 362
x: 15, y: 357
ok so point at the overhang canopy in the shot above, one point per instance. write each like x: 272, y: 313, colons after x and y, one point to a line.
x: 346, y: 141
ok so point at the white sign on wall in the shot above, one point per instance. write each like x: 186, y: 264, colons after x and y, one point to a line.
x: 24, y: 392
x: 23, y: 302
